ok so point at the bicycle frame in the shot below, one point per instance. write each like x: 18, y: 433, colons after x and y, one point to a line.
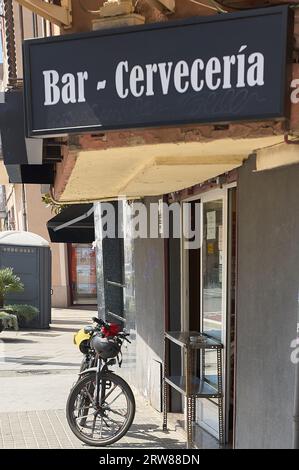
x: 99, y: 371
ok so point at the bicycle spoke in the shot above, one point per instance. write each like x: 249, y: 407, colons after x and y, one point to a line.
x: 109, y: 393
x: 120, y: 393
x: 93, y: 425
x: 85, y: 407
x: 101, y: 427
x: 116, y: 425
x: 118, y: 413
x: 114, y: 421
x: 83, y: 416
x: 89, y: 395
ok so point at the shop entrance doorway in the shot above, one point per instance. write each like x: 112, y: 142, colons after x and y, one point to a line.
x: 208, y: 286
x: 83, y: 274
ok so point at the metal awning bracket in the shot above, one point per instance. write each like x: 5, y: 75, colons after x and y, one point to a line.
x: 59, y: 15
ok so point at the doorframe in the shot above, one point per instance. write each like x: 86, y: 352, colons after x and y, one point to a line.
x: 228, y: 332
x: 214, y: 194
x: 69, y: 266
x: 185, y: 266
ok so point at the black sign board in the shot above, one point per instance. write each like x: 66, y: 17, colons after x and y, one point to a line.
x: 212, y: 69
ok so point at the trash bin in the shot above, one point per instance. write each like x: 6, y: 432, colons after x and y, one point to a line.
x: 30, y: 257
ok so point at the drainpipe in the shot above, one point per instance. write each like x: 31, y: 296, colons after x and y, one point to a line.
x: 10, y: 43
x: 296, y: 393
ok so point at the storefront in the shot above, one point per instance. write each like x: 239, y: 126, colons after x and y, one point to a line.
x: 189, y: 125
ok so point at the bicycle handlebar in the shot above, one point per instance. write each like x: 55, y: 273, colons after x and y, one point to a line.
x: 101, y: 322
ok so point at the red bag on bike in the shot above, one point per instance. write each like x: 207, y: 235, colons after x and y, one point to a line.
x: 113, y: 330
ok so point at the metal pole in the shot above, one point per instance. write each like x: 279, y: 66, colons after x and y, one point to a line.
x: 165, y: 385
x: 188, y: 379
x: 10, y: 43
x: 296, y: 411
x: 296, y: 392
x: 220, y: 399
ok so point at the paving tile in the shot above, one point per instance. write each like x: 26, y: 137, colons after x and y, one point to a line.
x: 49, y: 429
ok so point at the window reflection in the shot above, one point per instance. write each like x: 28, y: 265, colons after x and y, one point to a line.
x: 212, y: 259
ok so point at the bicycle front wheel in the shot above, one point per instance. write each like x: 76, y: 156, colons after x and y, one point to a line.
x: 106, y: 423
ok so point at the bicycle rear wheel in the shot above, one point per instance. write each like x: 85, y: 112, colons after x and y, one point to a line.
x: 103, y: 425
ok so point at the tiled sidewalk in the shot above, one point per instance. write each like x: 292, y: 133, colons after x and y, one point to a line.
x: 48, y: 429
x: 37, y: 369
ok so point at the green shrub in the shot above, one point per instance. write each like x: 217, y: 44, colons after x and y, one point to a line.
x: 23, y: 312
x: 9, y: 282
x: 10, y: 314
x: 8, y: 320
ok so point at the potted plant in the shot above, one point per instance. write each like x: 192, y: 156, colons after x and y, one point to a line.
x: 10, y: 314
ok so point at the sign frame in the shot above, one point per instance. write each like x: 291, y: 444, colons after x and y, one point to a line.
x: 285, y: 78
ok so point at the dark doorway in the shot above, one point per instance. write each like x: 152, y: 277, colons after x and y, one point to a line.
x: 194, y: 279
x: 231, y: 310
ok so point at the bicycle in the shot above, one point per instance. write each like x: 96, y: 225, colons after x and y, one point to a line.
x: 101, y: 406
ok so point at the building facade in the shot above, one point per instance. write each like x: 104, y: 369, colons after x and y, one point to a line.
x: 231, y: 156
x: 73, y: 265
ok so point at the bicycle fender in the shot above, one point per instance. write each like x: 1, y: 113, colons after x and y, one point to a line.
x: 87, y: 371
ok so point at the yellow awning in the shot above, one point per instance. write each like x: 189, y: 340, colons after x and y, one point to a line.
x: 148, y: 170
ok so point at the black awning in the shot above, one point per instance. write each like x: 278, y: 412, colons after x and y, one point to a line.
x: 75, y: 224
x: 31, y: 174
x: 14, y: 149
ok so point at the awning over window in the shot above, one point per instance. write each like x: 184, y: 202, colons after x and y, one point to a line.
x: 75, y: 224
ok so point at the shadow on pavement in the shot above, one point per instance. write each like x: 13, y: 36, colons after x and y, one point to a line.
x: 91, y: 307
x: 69, y: 322
x: 144, y: 436
x: 40, y: 362
x: 60, y: 328
x: 17, y: 340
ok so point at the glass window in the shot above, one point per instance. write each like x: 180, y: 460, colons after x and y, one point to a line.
x: 83, y: 274
x: 212, y: 260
